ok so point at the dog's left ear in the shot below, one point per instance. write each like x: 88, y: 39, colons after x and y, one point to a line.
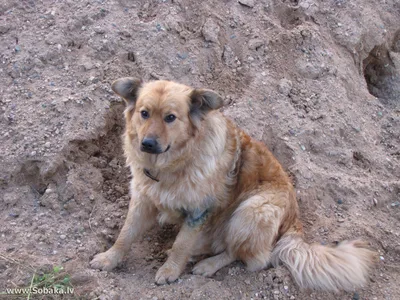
x: 203, y: 101
x: 127, y: 88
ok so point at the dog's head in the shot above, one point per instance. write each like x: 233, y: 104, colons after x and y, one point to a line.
x: 163, y: 116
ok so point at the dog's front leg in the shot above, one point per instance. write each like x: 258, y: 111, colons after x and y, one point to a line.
x: 141, y: 216
x: 179, y: 254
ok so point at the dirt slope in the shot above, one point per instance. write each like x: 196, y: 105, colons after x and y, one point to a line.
x: 317, y: 81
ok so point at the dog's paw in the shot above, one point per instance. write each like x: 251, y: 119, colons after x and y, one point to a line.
x: 167, y: 273
x: 204, y: 268
x: 106, y: 261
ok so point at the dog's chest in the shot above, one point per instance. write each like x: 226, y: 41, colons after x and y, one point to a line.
x: 181, y: 195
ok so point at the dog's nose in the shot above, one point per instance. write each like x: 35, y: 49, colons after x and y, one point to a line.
x: 150, y: 145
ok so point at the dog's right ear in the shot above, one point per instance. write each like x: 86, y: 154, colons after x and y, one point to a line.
x: 127, y: 88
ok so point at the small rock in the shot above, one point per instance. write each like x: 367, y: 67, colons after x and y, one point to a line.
x: 4, y: 28
x: 79, y: 279
x: 210, y: 31
x: 63, y: 236
x: 284, y: 86
x: 88, y: 66
x: 395, y: 204
x: 159, y: 27
x: 228, y: 56
x: 99, y: 30
x: 248, y: 3
x: 149, y: 258
x: 356, y: 296
x: 119, y: 189
x: 247, y: 281
x: 340, y: 201
x: 375, y: 202
x: 10, y: 248
x: 182, y: 55
x: 309, y: 70
x: 276, y: 292
x: 254, y: 44
x: 14, y: 214
x: 47, y: 145
x: 341, y: 220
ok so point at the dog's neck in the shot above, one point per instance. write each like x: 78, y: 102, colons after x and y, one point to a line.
x: 148, y: 174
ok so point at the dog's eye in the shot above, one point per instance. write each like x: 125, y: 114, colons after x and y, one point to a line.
x: 145, y: 114
x: 170, y: 118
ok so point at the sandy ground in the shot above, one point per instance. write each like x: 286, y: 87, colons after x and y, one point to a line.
x: 317, y: 81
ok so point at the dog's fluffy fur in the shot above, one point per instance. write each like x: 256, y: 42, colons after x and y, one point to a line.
x: 230, y: 195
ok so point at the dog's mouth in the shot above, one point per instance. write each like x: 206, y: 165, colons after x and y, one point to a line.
x: 154, y: 151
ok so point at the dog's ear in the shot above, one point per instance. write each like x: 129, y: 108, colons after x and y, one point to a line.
x: 127, y: 88
x: 203, y: 101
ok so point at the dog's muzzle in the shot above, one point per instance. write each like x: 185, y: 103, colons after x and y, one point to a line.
x: 150, y: 145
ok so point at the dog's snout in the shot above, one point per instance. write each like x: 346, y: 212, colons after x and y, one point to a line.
x: 150, y: 145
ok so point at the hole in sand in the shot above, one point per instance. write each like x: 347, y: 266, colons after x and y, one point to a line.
x: 382, y: 72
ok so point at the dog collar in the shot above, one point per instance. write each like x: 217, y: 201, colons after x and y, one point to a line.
x: 148, y: 174
x: 195, y: 217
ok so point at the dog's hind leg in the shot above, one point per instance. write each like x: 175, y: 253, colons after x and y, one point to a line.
x: 253, y: 229
x: 208, y: 266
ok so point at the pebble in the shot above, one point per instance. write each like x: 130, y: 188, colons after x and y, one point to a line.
x: 341, y: 220
x: 248, y: 3
x: 80, y: 278
x: 47, y: 145
x: 99, y: 30
x: 210, y: 31
x: 395, y: 204
x: 276, y: 292
x: 182, y: 55
x: 356, y: 296
x: 63, y: 236
x: 375, y: 202
x: 340, y: 201
x: 285, y: 86
x: 4, y: 28
x: 10, y: 248
x: 14, y: 214
x: 254, y: 44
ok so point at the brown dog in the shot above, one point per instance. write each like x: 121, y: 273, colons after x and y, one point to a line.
x: 233, y: 200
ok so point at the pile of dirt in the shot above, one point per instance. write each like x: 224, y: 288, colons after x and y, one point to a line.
x: 317, y: 81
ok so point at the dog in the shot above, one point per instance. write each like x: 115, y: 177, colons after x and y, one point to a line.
x: 232, y: 199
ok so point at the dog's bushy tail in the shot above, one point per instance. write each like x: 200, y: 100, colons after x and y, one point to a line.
x: 344, y: 267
